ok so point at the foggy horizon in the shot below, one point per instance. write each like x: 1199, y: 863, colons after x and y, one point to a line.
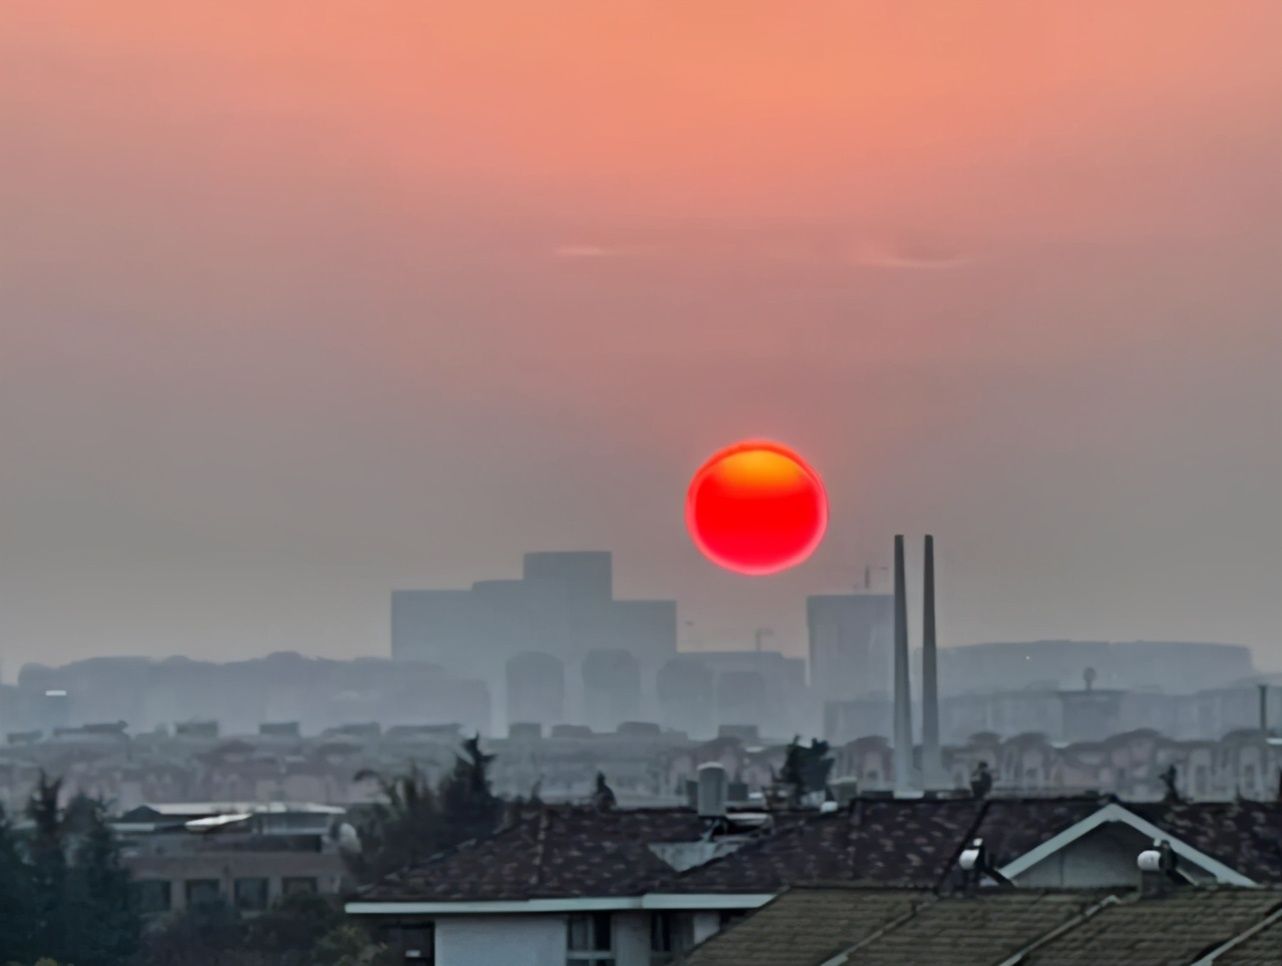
x: 299, y: 306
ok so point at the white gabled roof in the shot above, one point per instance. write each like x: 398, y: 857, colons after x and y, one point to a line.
x: 1113, y: 812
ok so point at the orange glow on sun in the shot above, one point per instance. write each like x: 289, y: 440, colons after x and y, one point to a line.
x: 756, y: 508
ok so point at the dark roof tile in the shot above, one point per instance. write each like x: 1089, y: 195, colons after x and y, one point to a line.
x: 1162, y: 931
x: 806, y: 926
x: 881, y: 842
x: 985, y: 928
x: 1262, y: 949
x: 1244, y: 835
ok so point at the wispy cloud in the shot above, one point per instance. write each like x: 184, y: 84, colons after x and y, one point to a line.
x: 584, y: 251
x: 881, y: 255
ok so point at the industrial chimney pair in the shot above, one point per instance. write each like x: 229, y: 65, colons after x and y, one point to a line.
x: 932, y: 771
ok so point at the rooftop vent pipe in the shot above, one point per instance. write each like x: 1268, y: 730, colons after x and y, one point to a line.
x: 710, y: 799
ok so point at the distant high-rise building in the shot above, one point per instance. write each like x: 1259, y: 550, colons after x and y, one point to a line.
x: 851, y: 642
x: 778, y: 701
x: 611, y: 688
x: 1170, y: 666
x: 563, y: 605
x: 741, y: 698
x: 686, y: 690
x: 535, y: 688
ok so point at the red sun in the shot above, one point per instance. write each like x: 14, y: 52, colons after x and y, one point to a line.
x: 756, y: 508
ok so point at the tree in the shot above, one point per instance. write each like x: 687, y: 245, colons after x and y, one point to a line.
x: 805, y: 768
x: 206, y: 934
x: 17, y: 937
x: 47, y: 863
x: 403, y: 829
x: 469, y: 809
x: 350, y: 945
x: 104, y: 925
x: 288, y: 931
x: 415, y: 821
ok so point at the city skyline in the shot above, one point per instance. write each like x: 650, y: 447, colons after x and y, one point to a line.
x: 302, y: 305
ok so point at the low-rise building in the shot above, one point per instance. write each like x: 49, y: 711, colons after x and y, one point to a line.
x: 246, y: 854
x: 635, y: 888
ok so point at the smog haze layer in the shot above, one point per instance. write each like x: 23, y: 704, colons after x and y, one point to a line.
x: 303, y: 302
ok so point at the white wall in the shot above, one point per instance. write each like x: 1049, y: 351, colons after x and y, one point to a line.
x: 500, y: 941
x: 631, y: 938
x: 1104, y: 857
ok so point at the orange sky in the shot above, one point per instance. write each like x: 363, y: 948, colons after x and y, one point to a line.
x: 303, y: 301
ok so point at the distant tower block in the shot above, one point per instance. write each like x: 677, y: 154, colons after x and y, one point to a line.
x: 851, y: 645
x: 741, y: 698
x: 611, y: 688
x: 685, y: 686
x: 535, y: 688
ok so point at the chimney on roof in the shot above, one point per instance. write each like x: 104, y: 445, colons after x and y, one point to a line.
x: 932, y: 764
x: 710, y: 798
x: 903, y: 699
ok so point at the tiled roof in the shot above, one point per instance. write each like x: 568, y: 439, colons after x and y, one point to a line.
x: 569, y: 851
x: 1246, y: 836
x: 1262, y: 949
x: 984, y: 928
x: 882, y: 842
x: 554, y: 852
x: 806, y: 926
x: 1011, y: 827
x: 1162, y: 931
x: 879, y: 927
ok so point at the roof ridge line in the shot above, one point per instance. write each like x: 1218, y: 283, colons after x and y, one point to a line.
x: 540, y: 847
x: 1211, y: 955
x: 1068, y: 926
x: 843, y: 956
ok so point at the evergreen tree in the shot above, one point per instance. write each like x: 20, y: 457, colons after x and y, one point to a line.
x: 17, y: 938
x: 288, y: 932
x: 415, y: 821
x: 401, y: 830
x: 206, y: 934
x: 104, y: 925
x: 805, y: 768
x: 47, y: 864
x: 469, y: 809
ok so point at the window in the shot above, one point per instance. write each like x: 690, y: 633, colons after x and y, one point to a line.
x: 202, y: 891
x: 410, y: 943
x: 292, y: 884
x: 152, y: 895
x: 251, y: 894
x: 669, y: 937
x: 588, y: 939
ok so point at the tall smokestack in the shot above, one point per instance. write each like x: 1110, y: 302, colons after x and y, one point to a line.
x: 932, y: 765
x: 903, y: 698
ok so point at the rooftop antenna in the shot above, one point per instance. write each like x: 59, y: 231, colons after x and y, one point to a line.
x: 761, y: 634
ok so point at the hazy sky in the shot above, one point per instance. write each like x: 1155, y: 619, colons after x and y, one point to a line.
x: 300, y: 302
